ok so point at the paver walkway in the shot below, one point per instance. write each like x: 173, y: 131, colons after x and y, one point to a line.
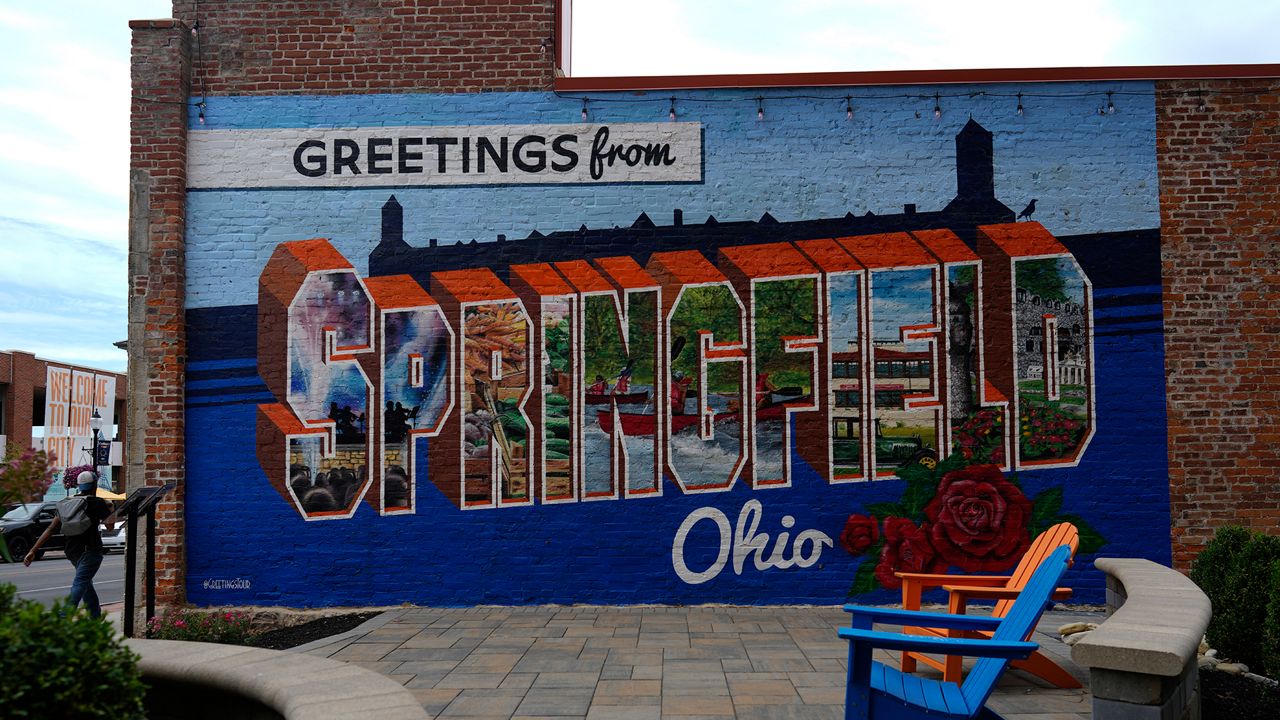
x: 645, y: 663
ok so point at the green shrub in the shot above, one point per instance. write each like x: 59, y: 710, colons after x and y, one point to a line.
x: 1271, y: 631
x: 1214, y: 563
x: 60, y: 664
x: 1237, y: 571
x: 231, y: 628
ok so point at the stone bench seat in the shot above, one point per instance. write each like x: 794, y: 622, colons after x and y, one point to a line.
x: 1142, y: 658
x: 262, y: 683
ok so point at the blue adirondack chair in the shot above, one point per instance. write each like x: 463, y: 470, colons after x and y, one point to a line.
x: 876, y: 690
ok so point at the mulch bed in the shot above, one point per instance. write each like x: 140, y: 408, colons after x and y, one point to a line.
x: 1226, y: 696
x: 288, y: 637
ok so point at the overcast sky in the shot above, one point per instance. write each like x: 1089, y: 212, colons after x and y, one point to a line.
x: 64, y: 103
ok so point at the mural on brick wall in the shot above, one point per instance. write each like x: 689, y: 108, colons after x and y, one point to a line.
x: 759, y: 409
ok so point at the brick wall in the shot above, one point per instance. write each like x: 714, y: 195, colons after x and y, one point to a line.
x: 1220, y: 208
x: 335, y: 46
x: 157, y: 276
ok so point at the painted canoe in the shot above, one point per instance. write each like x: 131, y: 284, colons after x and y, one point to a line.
x: 623, y: 399
x: 643, y: 424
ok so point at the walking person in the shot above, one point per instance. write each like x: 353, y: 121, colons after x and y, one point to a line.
x: 84, y: 545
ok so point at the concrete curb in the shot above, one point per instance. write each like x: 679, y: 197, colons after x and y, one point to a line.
x: 294, y: 685
x: 360, y: 630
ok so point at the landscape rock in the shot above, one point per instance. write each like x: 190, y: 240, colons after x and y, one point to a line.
x: 1076, y: 637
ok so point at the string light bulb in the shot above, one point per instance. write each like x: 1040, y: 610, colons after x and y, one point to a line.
x: 1020, y: 109
x: 937, y: 106
x: 848, y: 107
x: 195, y: 28
x: 1111, y: 106
x: 759, y: 108
x: 200, y: 114
x: 672, y: 113
x: 584, y: 109
x: 1200, y: 100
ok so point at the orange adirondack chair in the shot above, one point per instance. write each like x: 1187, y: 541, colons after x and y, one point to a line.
x: 1002, y: 588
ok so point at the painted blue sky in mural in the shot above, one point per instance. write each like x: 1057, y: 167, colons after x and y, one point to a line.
x: 901, y: 297
x: 844, y: 321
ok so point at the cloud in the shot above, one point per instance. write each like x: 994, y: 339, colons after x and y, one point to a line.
x: 755, y: 36
x: 681, y: 37
x: 106, y: 358
x: 14, y: 20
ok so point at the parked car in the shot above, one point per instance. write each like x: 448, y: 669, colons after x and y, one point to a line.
x: 113, y: 540
x: 23, y: 525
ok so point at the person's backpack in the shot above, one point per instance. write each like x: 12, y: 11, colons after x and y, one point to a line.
x: 74, y: 512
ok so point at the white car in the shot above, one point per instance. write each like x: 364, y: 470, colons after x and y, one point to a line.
x: 113, y: 540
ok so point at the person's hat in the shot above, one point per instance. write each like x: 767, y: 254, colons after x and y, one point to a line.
x: 86, y: 481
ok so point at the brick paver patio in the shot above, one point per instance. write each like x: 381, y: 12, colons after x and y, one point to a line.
x: 646, y: 663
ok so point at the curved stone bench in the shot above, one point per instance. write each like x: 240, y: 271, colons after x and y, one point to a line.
x: 1142, y: 658
x: 209, y: 679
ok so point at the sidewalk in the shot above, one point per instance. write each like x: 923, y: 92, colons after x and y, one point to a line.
x: 646, y: 663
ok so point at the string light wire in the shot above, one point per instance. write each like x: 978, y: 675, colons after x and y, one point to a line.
x: 1111, y: 95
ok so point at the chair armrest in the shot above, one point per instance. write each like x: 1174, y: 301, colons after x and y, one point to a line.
x: 938, y: 580
x: 969, y: 647
x: 989, y: 593
x: 915, y: 618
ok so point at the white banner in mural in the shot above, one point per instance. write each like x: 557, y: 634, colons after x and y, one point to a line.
x: 442, y: 156
x: 70, y: 398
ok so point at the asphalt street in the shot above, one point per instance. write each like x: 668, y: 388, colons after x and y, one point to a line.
x: 49, y: 579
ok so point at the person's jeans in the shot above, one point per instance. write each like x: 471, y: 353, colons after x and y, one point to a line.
x: 82, y: 585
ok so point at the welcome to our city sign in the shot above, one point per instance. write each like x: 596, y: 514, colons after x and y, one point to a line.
x: 446, y: 156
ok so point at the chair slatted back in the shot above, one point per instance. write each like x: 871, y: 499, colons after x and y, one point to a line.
x: 1044, y: 544
x: 1018, y: 624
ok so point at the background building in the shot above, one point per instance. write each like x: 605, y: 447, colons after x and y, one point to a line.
x: 22, y: 404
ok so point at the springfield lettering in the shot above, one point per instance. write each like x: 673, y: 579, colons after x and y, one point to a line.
x: 441, y: 156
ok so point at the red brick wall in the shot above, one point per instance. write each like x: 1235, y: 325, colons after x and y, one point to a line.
x: 157, y: 274
x: 1220, y: 215
x: 337, y: 46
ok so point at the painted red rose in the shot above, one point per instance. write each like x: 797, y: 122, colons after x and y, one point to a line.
x: 906, y: 549
x: 860, y: 533
x: 978, y: 519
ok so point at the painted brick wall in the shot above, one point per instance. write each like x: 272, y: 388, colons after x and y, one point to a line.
x: 335, y: 46
x: 803, y: 173
x: 1219, y: 150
